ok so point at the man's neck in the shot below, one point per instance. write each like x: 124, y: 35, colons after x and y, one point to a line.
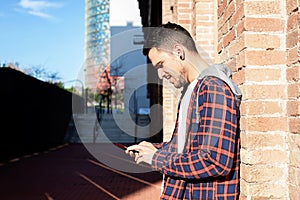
x: 196, y: 65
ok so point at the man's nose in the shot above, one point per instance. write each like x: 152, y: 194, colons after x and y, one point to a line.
x: 160, y: 73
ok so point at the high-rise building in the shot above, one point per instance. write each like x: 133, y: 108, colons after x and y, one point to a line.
x: 97, y: 40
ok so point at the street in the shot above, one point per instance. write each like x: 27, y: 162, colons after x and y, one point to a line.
x: 71, y: 172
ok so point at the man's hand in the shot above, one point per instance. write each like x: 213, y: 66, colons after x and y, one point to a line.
x: 145, y: 151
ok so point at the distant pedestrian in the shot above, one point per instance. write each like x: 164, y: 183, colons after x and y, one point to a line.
x: 104, y: 89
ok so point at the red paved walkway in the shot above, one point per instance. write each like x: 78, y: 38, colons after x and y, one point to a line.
x: 71, y: 172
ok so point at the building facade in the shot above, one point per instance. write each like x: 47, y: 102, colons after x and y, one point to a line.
x: 128, y: 61
x: 97, y: 40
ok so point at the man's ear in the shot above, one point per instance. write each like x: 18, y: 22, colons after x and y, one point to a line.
x: 179, y: 51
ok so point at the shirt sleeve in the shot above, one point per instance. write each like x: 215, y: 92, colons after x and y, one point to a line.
x: 215, y: 137
x: 159, y: 145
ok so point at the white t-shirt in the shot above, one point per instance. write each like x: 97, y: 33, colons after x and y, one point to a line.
x: 183, y: 115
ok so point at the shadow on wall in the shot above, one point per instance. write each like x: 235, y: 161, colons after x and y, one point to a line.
x: 34, y: 115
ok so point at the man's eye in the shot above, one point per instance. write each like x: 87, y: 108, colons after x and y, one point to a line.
x: 159, y: 65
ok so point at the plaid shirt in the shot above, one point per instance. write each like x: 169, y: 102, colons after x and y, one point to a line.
x: 209, y: 166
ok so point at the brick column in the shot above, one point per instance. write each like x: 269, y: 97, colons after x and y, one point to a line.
x: 293, y: 103
x: 206, y: 25
x: 260, y: 45
x: 170, y: 94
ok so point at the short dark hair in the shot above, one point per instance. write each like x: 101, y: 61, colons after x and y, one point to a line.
x: 167, y: 35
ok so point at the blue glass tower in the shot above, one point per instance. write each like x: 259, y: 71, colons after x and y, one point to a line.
x: 97, y: 40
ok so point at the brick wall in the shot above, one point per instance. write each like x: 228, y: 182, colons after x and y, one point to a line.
x: 293, y: 101
x: 255, y: 40
x: 259, y: 41
x: 170, y: 95
x: 251, y: 41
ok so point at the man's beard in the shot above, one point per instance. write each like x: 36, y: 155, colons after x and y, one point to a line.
x: 180, y: 82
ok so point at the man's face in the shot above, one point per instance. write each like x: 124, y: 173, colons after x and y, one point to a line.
x: 168, y: 66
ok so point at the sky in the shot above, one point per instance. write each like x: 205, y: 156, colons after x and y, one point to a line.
x: 50, y: 33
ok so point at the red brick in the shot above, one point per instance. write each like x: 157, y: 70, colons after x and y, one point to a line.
x: 185, y: 16
x: 203, y: 42
x: 239, y: 3
x: 239, y: 77
x: 220, y: 46
x: 205, y: 24
x: 262, y: 7
x: 293, y: 108
x: 266, y: 124
x: 264, y: 24
x: 256, y: 140
x: 202, y: 18
x: 292, y: 38
x: 263, y: 41
x: 229, y: 38
x: 263, y: 74
x: 186, y: 22
x: 292, y: 73
x: 261, y: 58
x: 229, y: 10
x: 223, y: 30
x: 293, y: 90
x: 223, y: 56
x: 232, y: 64
x: 203, y: 6
x: 240, y: 27
x: 243, y: 197
x: 257, y: 173
x: 262, y: 107
x: 237, y: 46
x: 241, y: 59
x: 208, y: 1
x: 292, y: 21
x: 291, y: 5
x: 265, y: 92
x: 237, y: 16
x: 221, y: 20
x: 221, y: 8
x: 270, y: 190
x: 184, y: 10
x: 292, y: 55
x: 219, y: 2
x: 184, y: 4
x: 294, y: 125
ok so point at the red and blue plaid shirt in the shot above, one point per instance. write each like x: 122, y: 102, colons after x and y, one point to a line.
x: 208, y: 167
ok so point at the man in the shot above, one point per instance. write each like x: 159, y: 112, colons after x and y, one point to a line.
x: 202, y: 159
x: 105, y: 91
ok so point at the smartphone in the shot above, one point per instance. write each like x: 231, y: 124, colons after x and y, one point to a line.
x: 124, y: 147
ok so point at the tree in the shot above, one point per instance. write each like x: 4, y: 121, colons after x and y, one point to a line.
x: 42, y: 74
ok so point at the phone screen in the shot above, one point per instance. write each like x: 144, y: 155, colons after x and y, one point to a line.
x: 120, y: 146
x: 124, y: 147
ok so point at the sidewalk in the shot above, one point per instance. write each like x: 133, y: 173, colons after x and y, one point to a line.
x: 70, y: 172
